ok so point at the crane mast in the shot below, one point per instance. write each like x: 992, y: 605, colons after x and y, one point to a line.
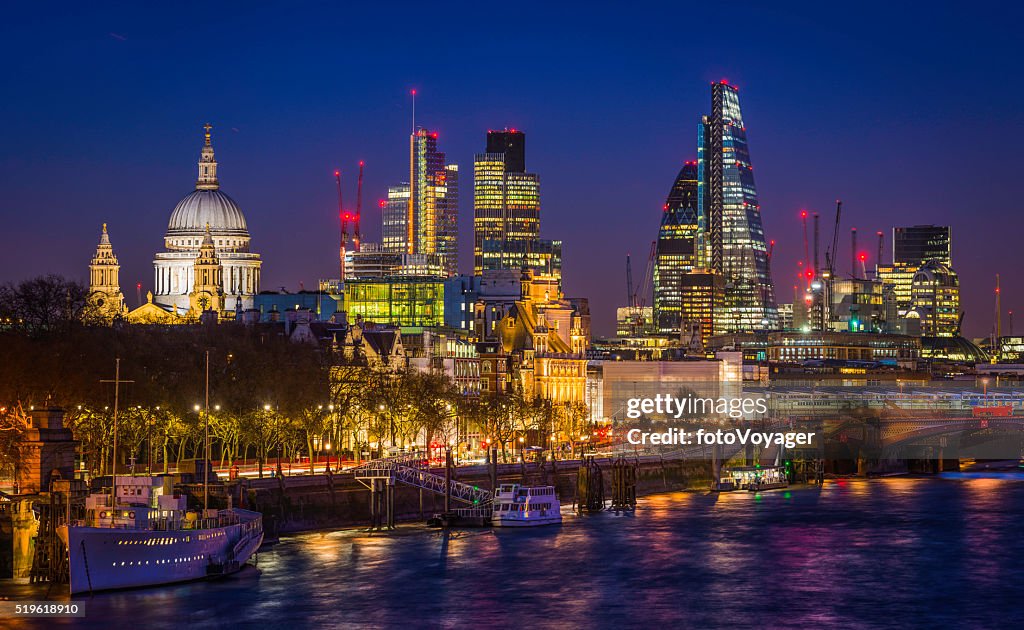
x: 343, y: 236
x: 357, y: 236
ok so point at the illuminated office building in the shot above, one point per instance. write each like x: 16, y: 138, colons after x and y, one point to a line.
x: 397, y: 301
x: 912, y: 247
x: 935, y: 300
x: 395, y: 215
x: 918, y: 244
x: 371, y: 262
x: 676, y: 250
x: 431, y: 224
x: 731, y: 238
x: 506, y: 209
x: 702, y: 298
x: 856, y: 305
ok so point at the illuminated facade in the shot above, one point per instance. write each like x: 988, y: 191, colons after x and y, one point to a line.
x: 898, y: 278
x: 411, y: 302
x: 731, y: 239
x: 506, y: 209
x: 631, y: 321
x: 791, y: 347
x: 916, y: 245
x: 395, y: 217
x: 702, y: 295
x: 371, y: 262
x: 545, y: 335
x: 207, y: 289
x: 935, y: 300
x: 104, y: 282
x: 676, y: 252
x: 432, y: 218
x: 206, y: 206
x: 856, y: 305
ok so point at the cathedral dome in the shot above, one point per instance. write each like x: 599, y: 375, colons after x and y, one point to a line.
x: 207, y: 205
x: 202, y: 208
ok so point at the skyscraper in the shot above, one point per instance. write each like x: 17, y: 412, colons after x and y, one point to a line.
x: 506, y: 209
x: 912, y: 248
x: 432, y: 219
x: 676, y: 252
x: 731, y: 240
x: 395, y: 215
x: 918, y: 244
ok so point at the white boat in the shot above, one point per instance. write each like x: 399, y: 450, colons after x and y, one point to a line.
x: 149, y: 538
x: 753, y: 478
x: 525, y: 506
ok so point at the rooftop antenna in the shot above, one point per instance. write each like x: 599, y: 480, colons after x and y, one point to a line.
x: 414, y: 110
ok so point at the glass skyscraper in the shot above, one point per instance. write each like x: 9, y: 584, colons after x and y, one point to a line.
x: 918, y: 244
x: 432, y: 217
x: 731, y: 239
x: 395, y: 215
x: 506, y: 209
x: 676, y: 253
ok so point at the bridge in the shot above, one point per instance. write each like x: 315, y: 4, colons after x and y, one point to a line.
x: 380, y: 476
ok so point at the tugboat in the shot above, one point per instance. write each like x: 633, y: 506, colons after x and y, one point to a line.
x: 524, y: 506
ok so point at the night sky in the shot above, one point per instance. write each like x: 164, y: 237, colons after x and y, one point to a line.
x: 908, y: 115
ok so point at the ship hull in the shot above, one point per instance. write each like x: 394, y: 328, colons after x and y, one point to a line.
x: 106, y: 558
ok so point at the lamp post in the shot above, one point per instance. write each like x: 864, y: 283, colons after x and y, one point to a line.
x: 327, y: 448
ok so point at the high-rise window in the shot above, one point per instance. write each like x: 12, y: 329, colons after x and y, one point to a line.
x: 731, y: 237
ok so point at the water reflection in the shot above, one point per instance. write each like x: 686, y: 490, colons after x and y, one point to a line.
x: 880, y: 553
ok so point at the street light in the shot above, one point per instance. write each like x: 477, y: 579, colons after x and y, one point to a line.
x: 327, y: 447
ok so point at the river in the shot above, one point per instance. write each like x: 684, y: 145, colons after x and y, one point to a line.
x: 897, y: 552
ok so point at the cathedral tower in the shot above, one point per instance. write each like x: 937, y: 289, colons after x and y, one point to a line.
x: 104, y: 284
x: 207, y: 292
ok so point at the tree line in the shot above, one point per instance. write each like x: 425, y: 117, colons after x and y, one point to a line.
x: 270, y: 399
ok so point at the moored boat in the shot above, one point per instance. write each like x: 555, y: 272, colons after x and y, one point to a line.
x: 147, y: 538
x: 525, y: 506
x: 754, y: 478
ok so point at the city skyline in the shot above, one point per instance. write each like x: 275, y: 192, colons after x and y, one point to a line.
x: 67, y: 172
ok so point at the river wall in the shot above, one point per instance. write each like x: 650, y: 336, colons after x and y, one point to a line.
x: 309, y: 502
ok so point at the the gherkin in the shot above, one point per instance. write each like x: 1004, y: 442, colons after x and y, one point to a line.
x: 676, y: 252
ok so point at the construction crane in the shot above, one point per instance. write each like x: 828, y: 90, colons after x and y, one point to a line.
x: 629, y: 285
x: 807, y: 253
x: 648, y: 277
x: 830, y: 253
x: 343, y: 236
x: 357, y: 237
x: 636, y: 299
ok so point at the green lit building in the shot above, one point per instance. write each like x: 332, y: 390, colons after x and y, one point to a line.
x: 402, y: 301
